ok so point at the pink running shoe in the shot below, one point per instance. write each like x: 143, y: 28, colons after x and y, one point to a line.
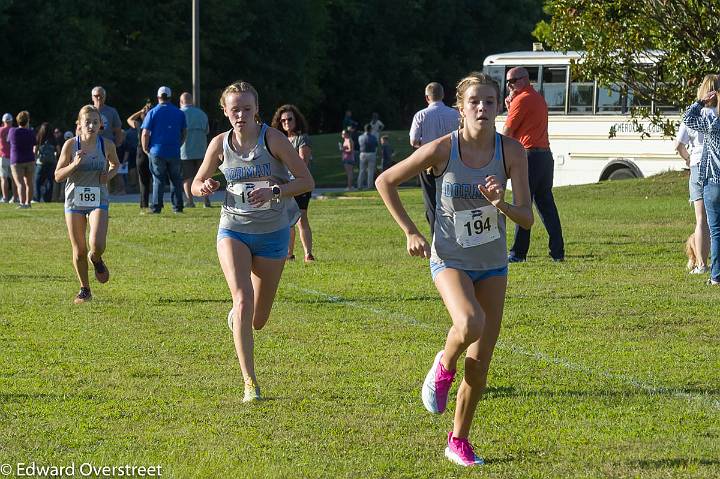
x: 436, y: 387
x: 460, y: 451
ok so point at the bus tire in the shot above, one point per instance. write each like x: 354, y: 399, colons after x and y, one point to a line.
x: 622, y: 174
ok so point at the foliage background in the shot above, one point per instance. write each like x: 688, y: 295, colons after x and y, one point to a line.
x: 324, y: 55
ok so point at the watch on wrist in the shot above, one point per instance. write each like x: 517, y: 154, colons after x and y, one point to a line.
x: 276, y: 192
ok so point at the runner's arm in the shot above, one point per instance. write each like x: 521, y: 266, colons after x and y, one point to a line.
x: 203, y: 183
x: 428, y: 156
x: 520, y: 211
x: 67, y: 163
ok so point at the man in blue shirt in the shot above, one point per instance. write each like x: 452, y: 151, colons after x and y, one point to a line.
x: 163, y: 131
x: 192, y: 151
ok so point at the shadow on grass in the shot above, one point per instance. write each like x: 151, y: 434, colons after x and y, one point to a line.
x: 22, y: 397
x: 25, y: 276
x: 672, y: 463
x: 189, y: 300
x: 510, y: 391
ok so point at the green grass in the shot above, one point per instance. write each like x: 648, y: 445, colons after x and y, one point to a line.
x: 607, y: 364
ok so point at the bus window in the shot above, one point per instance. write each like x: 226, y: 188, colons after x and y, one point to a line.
x: 581, y: 94
x: 553, y: 88
x: 610, y: 100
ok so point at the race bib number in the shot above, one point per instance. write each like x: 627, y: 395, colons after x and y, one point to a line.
x: 240, y: 191
x: 476, y: 227
x: 87, y: 196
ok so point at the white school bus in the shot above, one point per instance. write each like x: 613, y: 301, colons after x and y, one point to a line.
x: 581, y: 115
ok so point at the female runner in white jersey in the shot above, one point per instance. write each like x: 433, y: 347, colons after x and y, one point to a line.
x: 469, y: 253
x: 256, y: 217
x: 87, y: 162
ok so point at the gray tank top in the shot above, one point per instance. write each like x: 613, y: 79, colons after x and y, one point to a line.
x: 469, y: 230
x: 245, y: 173
x: 83, y: 189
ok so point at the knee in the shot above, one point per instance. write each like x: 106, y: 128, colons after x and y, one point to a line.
x: 476, y: 371
x: 471, y: 326
x: 79, y: 253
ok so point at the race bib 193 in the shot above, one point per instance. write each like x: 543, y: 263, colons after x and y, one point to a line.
x: 240, y: 191
x: 476, y: 227
x: 87, y: 196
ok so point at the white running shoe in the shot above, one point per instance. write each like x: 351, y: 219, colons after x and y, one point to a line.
x: 699, y: 270
x: 252, y: 391
x: 436, y: 387
x: 230, y: 320
x: 461, y: 452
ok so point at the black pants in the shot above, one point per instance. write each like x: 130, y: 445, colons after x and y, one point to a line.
x: 142, y: 163
x: 427, y: 182
x: 540, y: 173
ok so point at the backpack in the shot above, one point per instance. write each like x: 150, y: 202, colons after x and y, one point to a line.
x: 46, y: 154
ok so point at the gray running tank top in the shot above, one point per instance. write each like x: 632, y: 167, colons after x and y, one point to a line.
x: 258, y: 165
x: 87, y: 174
x: 463, y: 217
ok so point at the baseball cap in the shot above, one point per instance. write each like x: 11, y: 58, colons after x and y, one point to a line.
x: 7, y: 117
x: 163, y: 90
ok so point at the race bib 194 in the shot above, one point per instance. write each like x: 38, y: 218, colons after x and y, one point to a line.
x: 240, y: 191
x: 87, y: 196
x: 476, y: 227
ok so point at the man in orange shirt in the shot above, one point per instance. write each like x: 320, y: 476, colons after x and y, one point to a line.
x: 527, y: 122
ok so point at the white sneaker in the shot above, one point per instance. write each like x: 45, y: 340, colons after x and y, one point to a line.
x: 699, y: 270
x: 712, y: 282
x: 230, y: 320
x: 252, y: 391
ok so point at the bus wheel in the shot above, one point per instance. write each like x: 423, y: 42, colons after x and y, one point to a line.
x: 622, y: 174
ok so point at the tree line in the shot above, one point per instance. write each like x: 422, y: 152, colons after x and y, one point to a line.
x: 326, y: 56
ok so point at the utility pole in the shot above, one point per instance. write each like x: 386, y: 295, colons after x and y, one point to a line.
x: 196, y: 52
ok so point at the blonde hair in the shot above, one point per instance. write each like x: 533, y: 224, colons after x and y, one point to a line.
x: 472, y: 79
x: 237, y: 88
x: 86, y: 110
x: 709, y: 83
x: 23, y: 118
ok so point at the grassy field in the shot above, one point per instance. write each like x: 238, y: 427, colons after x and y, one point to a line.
x: 607, y: 364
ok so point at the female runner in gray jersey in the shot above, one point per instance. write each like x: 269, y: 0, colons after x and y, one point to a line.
x: 87, y: 162
x: 256, y: 217
x: 468, y: 257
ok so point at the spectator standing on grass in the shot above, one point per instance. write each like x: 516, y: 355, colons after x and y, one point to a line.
x: 527, y: 122
x: 387, y: 152
x: 348, y: 120
x: 376, y: 126
x: 192, y: 151
x: 22, y: 158
x: 163, y: 131
x: 87, y: 162
x: 429, y: 124
x: 289, y: 120
x: 709, y: 174
x: 9, y: 194
x: 142, y: 162
x: 256, y: 217
x: 468, y: 255
x: 46, y: 160
x: 690, y: 138
x: 368, y: 145
x: 347, y: 152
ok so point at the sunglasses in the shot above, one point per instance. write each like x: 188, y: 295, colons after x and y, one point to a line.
x: 512, y: 81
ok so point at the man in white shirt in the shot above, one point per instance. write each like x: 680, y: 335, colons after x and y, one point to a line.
x: 431, y: 123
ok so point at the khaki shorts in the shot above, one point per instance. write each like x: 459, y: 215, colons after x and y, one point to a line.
x: 5, y: 168
x: 23, y: 169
